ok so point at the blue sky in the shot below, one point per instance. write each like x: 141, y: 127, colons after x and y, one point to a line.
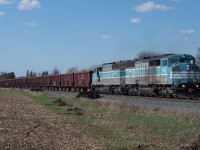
x: 42, y: 34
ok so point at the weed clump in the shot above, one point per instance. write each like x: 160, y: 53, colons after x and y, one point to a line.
x: 59, y: 102
x: 69, y: 107
x: 189, y: 140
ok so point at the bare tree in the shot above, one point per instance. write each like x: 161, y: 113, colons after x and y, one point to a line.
x: 72, y: 69
x: 198, y: 57
x: 143, y: 54
x: 92, y: 67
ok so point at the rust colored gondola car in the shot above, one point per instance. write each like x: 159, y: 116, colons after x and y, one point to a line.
x: 2, y: 83
x: 38, y: 82
x: 67, y: 81
x: 30, y: 82
x: 45, y: 82
x: 20, y: 82
x: 11, y: 83
x: 83, y: 80
x: 8, y: 83
x: 5, y: 83
x: 42, y: 82
x: 55, y: 82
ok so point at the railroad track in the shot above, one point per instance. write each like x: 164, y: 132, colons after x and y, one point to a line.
x: 194, y: 100
x: 185, y: 105
x: 126, y: 97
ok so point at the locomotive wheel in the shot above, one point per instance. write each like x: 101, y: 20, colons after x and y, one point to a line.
x: 130, y: 92
x: 164, y: 95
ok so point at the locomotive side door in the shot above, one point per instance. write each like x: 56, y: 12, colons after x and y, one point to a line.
x: 98, y: 75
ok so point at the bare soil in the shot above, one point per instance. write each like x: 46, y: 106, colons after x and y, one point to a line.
x: 27, y: 125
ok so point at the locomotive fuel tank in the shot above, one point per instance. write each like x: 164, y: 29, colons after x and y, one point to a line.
x: 149, y: 91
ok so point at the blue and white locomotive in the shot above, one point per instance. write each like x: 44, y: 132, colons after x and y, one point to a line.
x: 164, y: 75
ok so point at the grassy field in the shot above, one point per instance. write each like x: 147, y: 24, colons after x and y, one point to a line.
x: 118, y: 127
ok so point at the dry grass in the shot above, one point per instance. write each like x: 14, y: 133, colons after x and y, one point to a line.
x: 150, y: 111
x: 189, y: 140
x: 143, y: 132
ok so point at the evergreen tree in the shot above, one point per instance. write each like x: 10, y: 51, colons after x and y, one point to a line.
x: 46, y: 73
x: 55, y: 71
x: 31, y: 74
x: 34, y: 74
x: 27, y: 73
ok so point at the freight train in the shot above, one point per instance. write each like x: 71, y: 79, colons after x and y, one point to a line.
x: 168, y: 75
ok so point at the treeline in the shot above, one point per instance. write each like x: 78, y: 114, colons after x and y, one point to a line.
x: 5, y: 75
x: 34, y: 74
x: 54, y: 71
x: 43, y: 73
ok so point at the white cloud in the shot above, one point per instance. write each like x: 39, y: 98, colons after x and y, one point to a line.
x: 135, y: 20
x: 176, y: 0
x: 2, y: 14
x: 186, y: 38
x: 169, y: 30
x: 93, y: 33
x: 106, y: 37
x: 29, y: 4
x: 4, y: 2
x: 188, y: 31
x: 32, y: 24
x: 150, y: 6
x: 103, y: 36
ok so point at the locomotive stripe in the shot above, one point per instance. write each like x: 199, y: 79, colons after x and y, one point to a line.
x: 129, y: 76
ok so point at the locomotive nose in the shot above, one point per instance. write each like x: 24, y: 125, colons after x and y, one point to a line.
x: 186, y: 73
x: 191, y: 68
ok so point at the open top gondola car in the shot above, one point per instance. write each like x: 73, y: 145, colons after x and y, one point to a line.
x: 55, y: 81
x: 67, y: 81
x: 83, y: 80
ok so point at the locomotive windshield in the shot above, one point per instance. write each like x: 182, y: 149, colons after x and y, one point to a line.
x: 173, y: 61
x: 184, y: 60
x: 191, y: 61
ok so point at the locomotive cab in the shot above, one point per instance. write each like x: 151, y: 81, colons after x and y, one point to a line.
x: 185, y: 74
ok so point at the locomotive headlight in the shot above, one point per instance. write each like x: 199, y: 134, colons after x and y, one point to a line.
x: 183, y: 85
x: 188, y: 67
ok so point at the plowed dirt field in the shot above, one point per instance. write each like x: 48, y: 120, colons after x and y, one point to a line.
x: 27, y: 125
